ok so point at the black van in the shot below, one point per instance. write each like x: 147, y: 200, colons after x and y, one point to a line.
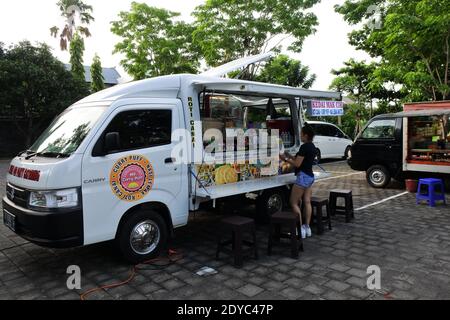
x: 378, y: 150
x: 388, y: 146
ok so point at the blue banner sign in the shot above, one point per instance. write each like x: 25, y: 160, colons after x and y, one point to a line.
x: 316, y: 108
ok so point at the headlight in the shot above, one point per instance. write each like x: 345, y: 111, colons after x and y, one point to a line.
x: 54, y: 199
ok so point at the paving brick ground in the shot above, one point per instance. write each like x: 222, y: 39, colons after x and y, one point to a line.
x: 410, y: 243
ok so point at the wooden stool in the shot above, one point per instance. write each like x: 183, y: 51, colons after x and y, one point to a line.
x: 347, y: 209
x: 238, y: 226
x: 291, y: 222
x: 318, y: 204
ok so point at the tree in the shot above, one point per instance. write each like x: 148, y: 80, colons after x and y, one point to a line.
x: 72, y: 10
x: 76, y: 57
x: 153, y: 43
x: 226, y: 30
x: 285, y: 71
x: 98, y: 83
x: 412, y: 42
x: 35, y: 87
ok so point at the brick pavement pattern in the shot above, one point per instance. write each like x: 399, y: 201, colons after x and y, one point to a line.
x: 409, y: 242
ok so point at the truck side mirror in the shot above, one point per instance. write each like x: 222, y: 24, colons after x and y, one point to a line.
x: 112, y: 142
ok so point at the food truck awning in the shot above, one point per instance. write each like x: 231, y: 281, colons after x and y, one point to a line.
x: 418, y: 113
x: 249, y: 87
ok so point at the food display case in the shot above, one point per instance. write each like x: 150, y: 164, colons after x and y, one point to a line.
x: 429, y: 140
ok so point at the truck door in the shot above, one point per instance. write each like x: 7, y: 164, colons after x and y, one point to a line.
x: 140, y: 170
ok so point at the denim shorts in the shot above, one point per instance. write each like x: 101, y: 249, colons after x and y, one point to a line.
x: 304, y: 180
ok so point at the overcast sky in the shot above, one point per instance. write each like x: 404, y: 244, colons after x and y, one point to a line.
x: 28, y: 19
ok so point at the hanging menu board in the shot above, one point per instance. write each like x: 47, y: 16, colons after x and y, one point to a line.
x: 316, y: 108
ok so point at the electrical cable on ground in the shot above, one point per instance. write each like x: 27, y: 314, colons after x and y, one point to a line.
x: 172, y: 257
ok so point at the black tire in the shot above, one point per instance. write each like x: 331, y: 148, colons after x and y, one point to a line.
x: 271, y: 201
x: 347, y: 153
x: 147, y: 218
x: 378, y: 176
x: 318, y: 156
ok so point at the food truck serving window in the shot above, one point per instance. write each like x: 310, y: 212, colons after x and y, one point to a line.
x: 429, y: 139
x: 228, y: 112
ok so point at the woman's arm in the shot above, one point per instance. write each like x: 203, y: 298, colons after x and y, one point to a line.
x: 295, y: 161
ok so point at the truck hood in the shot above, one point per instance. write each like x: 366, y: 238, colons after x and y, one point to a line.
x: 40, y: 173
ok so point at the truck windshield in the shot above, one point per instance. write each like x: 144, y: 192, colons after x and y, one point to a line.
x: 66, y: 133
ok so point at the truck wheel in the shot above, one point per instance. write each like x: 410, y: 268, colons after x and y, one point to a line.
x: 347, y: 153
x: 270, y: 202
x: 141, y: 236
x: 378, y: 176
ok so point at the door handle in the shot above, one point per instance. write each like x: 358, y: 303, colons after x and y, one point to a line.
x: 169, y: 160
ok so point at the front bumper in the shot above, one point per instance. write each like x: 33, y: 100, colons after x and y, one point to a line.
x: 49, y: 229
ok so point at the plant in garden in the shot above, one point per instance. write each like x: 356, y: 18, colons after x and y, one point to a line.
x: 35, y: 87
x: 72, y: 10
x: 154, y: 43
x: 76, y: 57
x: 286, y: 71
x: 98, y: 83
x: 412, y: 43
x: 226, y: 30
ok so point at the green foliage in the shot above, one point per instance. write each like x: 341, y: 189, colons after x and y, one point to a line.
x: 285, y: 71
x: 69, y: 10
x: 228, y: 29
x: 76, y: 57
x: 412, y: 43
x: 35, y: 87
x: 153, y: 43
x: 98, y: 83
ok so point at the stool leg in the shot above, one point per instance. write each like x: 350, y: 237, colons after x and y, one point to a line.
x: 319, y: 220
x: 299, y: 236
x: 255, y: 244
x: 219, y: 241
x: 419, y: 190
x: 270, y: 243
x: 351, y: 205
x: 328, y: 216
x: 294, y: 241
x: 431, y: 195
x: 238, y: 259
x: 333, y: 200
x: 348, y: 212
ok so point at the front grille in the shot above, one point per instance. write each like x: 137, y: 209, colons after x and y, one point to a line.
x: 17, y: 195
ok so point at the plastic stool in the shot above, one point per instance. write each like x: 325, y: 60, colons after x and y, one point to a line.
x: 431, y: 196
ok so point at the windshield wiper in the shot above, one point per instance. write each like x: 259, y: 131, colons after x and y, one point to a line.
x: 47, y: 155
x: 52, y: 154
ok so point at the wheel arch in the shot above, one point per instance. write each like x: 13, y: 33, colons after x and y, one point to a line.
x: 158, y: 207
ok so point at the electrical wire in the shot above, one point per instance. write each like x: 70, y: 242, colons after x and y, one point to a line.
x: 173, y: 257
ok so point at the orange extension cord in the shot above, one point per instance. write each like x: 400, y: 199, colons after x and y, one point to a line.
x: 173, y: 257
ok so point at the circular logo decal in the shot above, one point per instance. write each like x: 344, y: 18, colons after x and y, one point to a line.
x: 131, y: 178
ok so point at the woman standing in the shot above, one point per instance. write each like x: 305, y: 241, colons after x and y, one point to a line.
x: 302, y: 189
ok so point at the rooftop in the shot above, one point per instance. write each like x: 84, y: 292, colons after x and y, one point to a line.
x: 110, y: 74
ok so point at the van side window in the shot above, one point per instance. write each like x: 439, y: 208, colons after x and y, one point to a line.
x: 139, y: 129
x: 380, y: 129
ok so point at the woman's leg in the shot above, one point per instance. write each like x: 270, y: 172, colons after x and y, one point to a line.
x: 307, y: 204
x: 296, y: 199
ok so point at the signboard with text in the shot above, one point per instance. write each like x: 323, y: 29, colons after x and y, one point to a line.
x: 316, y: 108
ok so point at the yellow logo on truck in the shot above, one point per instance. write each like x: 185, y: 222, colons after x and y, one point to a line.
x: 132, y: 177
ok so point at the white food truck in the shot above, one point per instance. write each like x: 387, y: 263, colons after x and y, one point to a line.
x: 131, y: 162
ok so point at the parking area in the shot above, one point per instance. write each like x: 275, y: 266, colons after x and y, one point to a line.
x: 410, y: 243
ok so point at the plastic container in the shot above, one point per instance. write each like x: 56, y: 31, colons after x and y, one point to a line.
x: 411, y: 185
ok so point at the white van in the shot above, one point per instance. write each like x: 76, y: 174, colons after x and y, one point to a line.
x: 330, y: 141
x: 118, y: 164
